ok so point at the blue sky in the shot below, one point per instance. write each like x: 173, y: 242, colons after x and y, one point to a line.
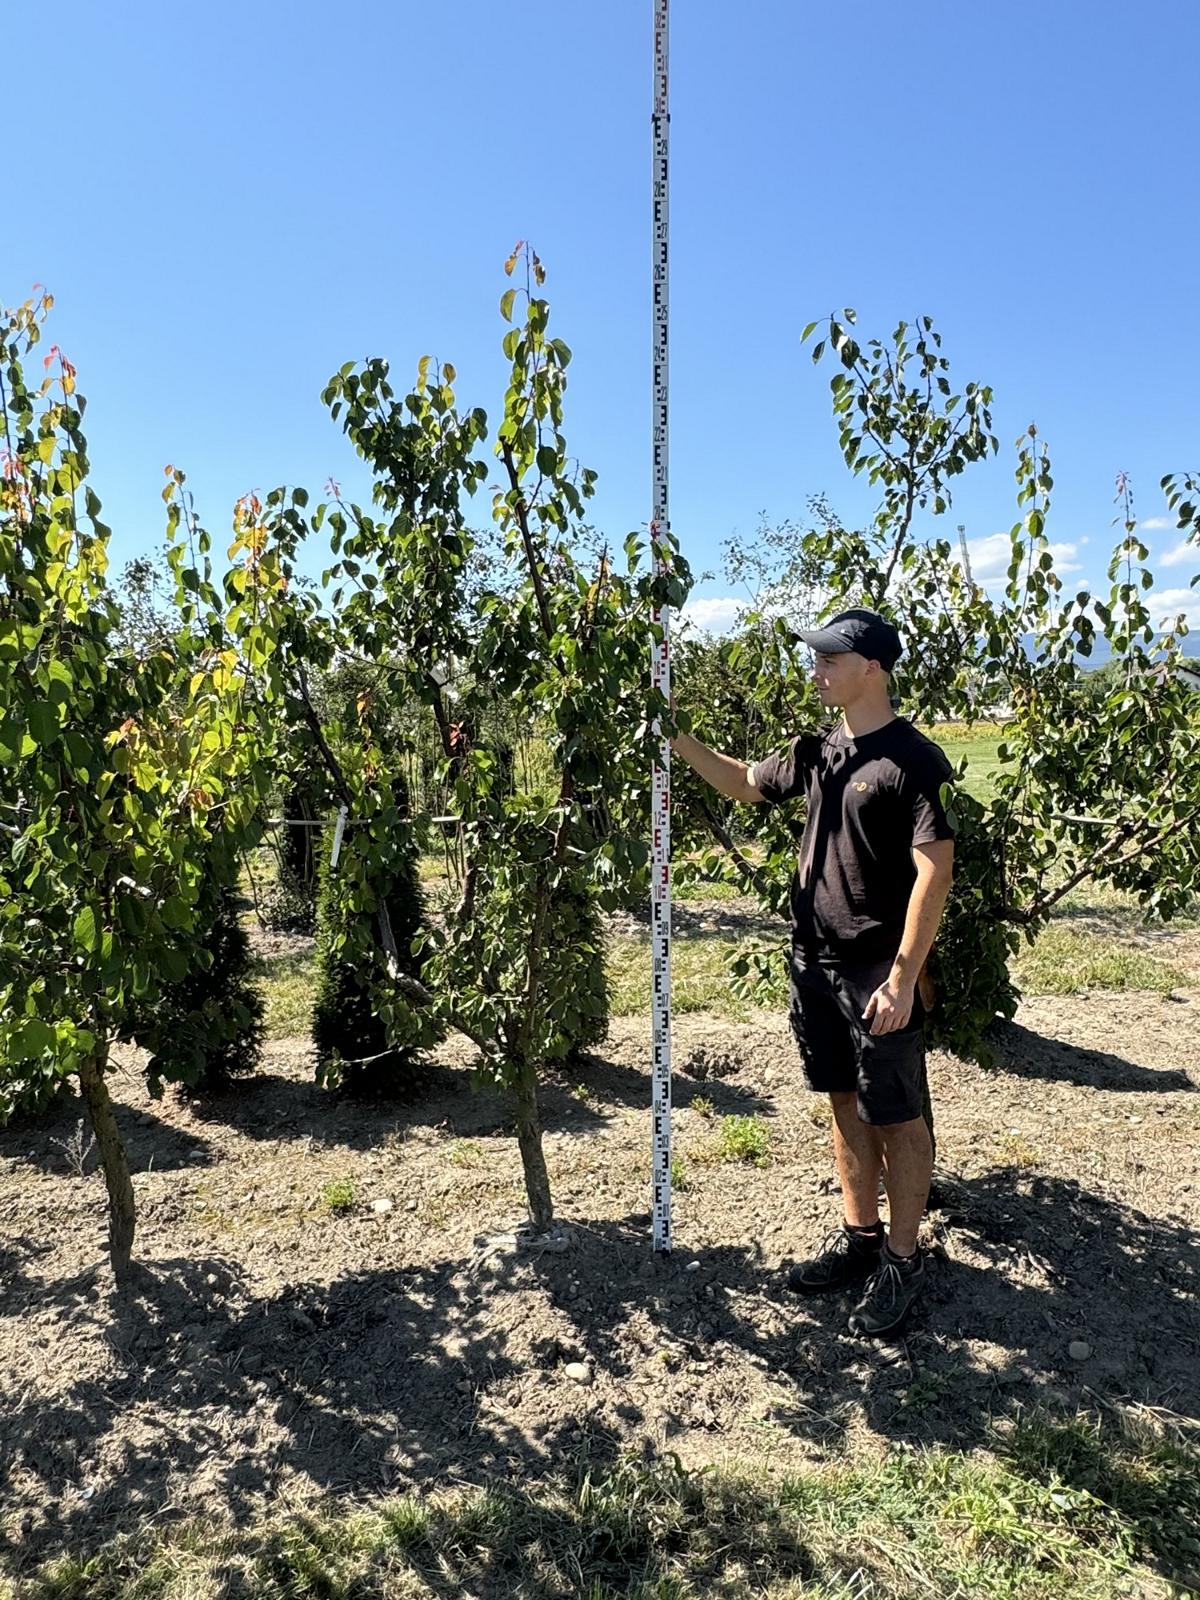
x: 229, y: 201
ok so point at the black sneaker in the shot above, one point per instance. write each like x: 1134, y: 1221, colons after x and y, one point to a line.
x: 890, y: 1297
x: 844, y: 1258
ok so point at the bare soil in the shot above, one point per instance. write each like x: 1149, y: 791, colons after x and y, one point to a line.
x: 275, y: 1350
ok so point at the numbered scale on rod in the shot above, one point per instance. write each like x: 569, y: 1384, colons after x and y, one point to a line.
x: 660, y: 893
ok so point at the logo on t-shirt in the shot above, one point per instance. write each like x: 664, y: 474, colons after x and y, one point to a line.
x: 861, y: 788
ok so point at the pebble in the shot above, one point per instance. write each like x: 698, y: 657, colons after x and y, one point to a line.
x: 578, y: 1372
x: 382, y: 1206
x: 1079, y: 1350
x: 692, y: 1266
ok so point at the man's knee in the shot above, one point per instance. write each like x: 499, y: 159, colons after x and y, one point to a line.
x: 912, y: 1134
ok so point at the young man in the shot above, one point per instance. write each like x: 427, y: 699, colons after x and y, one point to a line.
x: 872, y: 878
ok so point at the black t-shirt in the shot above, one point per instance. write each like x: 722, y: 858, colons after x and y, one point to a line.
x: 870, y: 800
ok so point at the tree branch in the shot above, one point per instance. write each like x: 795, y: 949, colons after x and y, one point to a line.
x: 752, y: 874
x: 522, y: 514
x: 336, y: 772
x: 1100, y: 858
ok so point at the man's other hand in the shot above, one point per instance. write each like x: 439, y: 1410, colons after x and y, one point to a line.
x: 889, y: 1008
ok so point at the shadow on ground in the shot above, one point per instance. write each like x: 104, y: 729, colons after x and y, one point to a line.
x: 60, y: 1140
x: 450, y: 1372
x: 576, y: 1098
x: 1026, y: 1054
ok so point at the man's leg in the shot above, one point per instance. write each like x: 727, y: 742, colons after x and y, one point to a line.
x: 859, y: 1151
x: 893, y: 1291
x: 907, y: 1168
x: 891, y: 1099
x: 851, y: 1252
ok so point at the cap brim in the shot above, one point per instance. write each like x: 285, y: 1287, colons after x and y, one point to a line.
x: 827, y: 643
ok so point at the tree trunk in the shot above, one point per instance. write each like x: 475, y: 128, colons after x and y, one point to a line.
x: 529, y: 1139
x: 116, y: 1166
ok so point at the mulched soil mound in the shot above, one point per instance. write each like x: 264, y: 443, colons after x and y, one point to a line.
x: 275, y: 1349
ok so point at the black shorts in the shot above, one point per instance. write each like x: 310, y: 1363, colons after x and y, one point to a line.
x: 842, y: 1056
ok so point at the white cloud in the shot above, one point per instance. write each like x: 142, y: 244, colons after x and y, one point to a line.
x: 1064, y: 558
x: 1156, y: 522
x: 990, y: 558
x: 1164, y: 605
x: 1181, y: 555
x: 716, y: 614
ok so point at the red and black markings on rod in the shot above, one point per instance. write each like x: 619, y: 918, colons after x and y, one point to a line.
x: 660, y: 659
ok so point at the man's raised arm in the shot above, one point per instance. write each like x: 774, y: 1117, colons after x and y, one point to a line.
x: 726, y: 774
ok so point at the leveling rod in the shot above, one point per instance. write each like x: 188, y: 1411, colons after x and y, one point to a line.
x: 660, y: 663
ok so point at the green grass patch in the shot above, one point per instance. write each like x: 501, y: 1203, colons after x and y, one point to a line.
x: 1066, y: 960
x: 745, y: 1139
x: 705, y: 889
x: 979, y: 745
x: 1058, y: 1510
x: 287, y: 983
x: 699, y: 982
x: 967, y: 733
x: 339, y: 1195
x: 432, y: 867
x: 1117, y: 910
x: 699, y: 976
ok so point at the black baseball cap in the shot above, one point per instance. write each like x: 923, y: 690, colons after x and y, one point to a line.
x: 865, y: 632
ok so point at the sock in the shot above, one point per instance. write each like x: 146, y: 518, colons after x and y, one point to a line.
x: 905, y: 1263
x: 865, y: 1238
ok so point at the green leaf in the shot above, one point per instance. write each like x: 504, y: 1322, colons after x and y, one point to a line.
x: 79, y: 752
x: 33, y: 1038
x: 87, y: 929
x: 174, y: 963
x: 506, y: 304
x: 175, y: 913
x: 132, y: 914
x: 43, y: 724
x: 15, y: 743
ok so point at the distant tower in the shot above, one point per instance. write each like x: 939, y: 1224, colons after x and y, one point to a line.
x: 966, y: 554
